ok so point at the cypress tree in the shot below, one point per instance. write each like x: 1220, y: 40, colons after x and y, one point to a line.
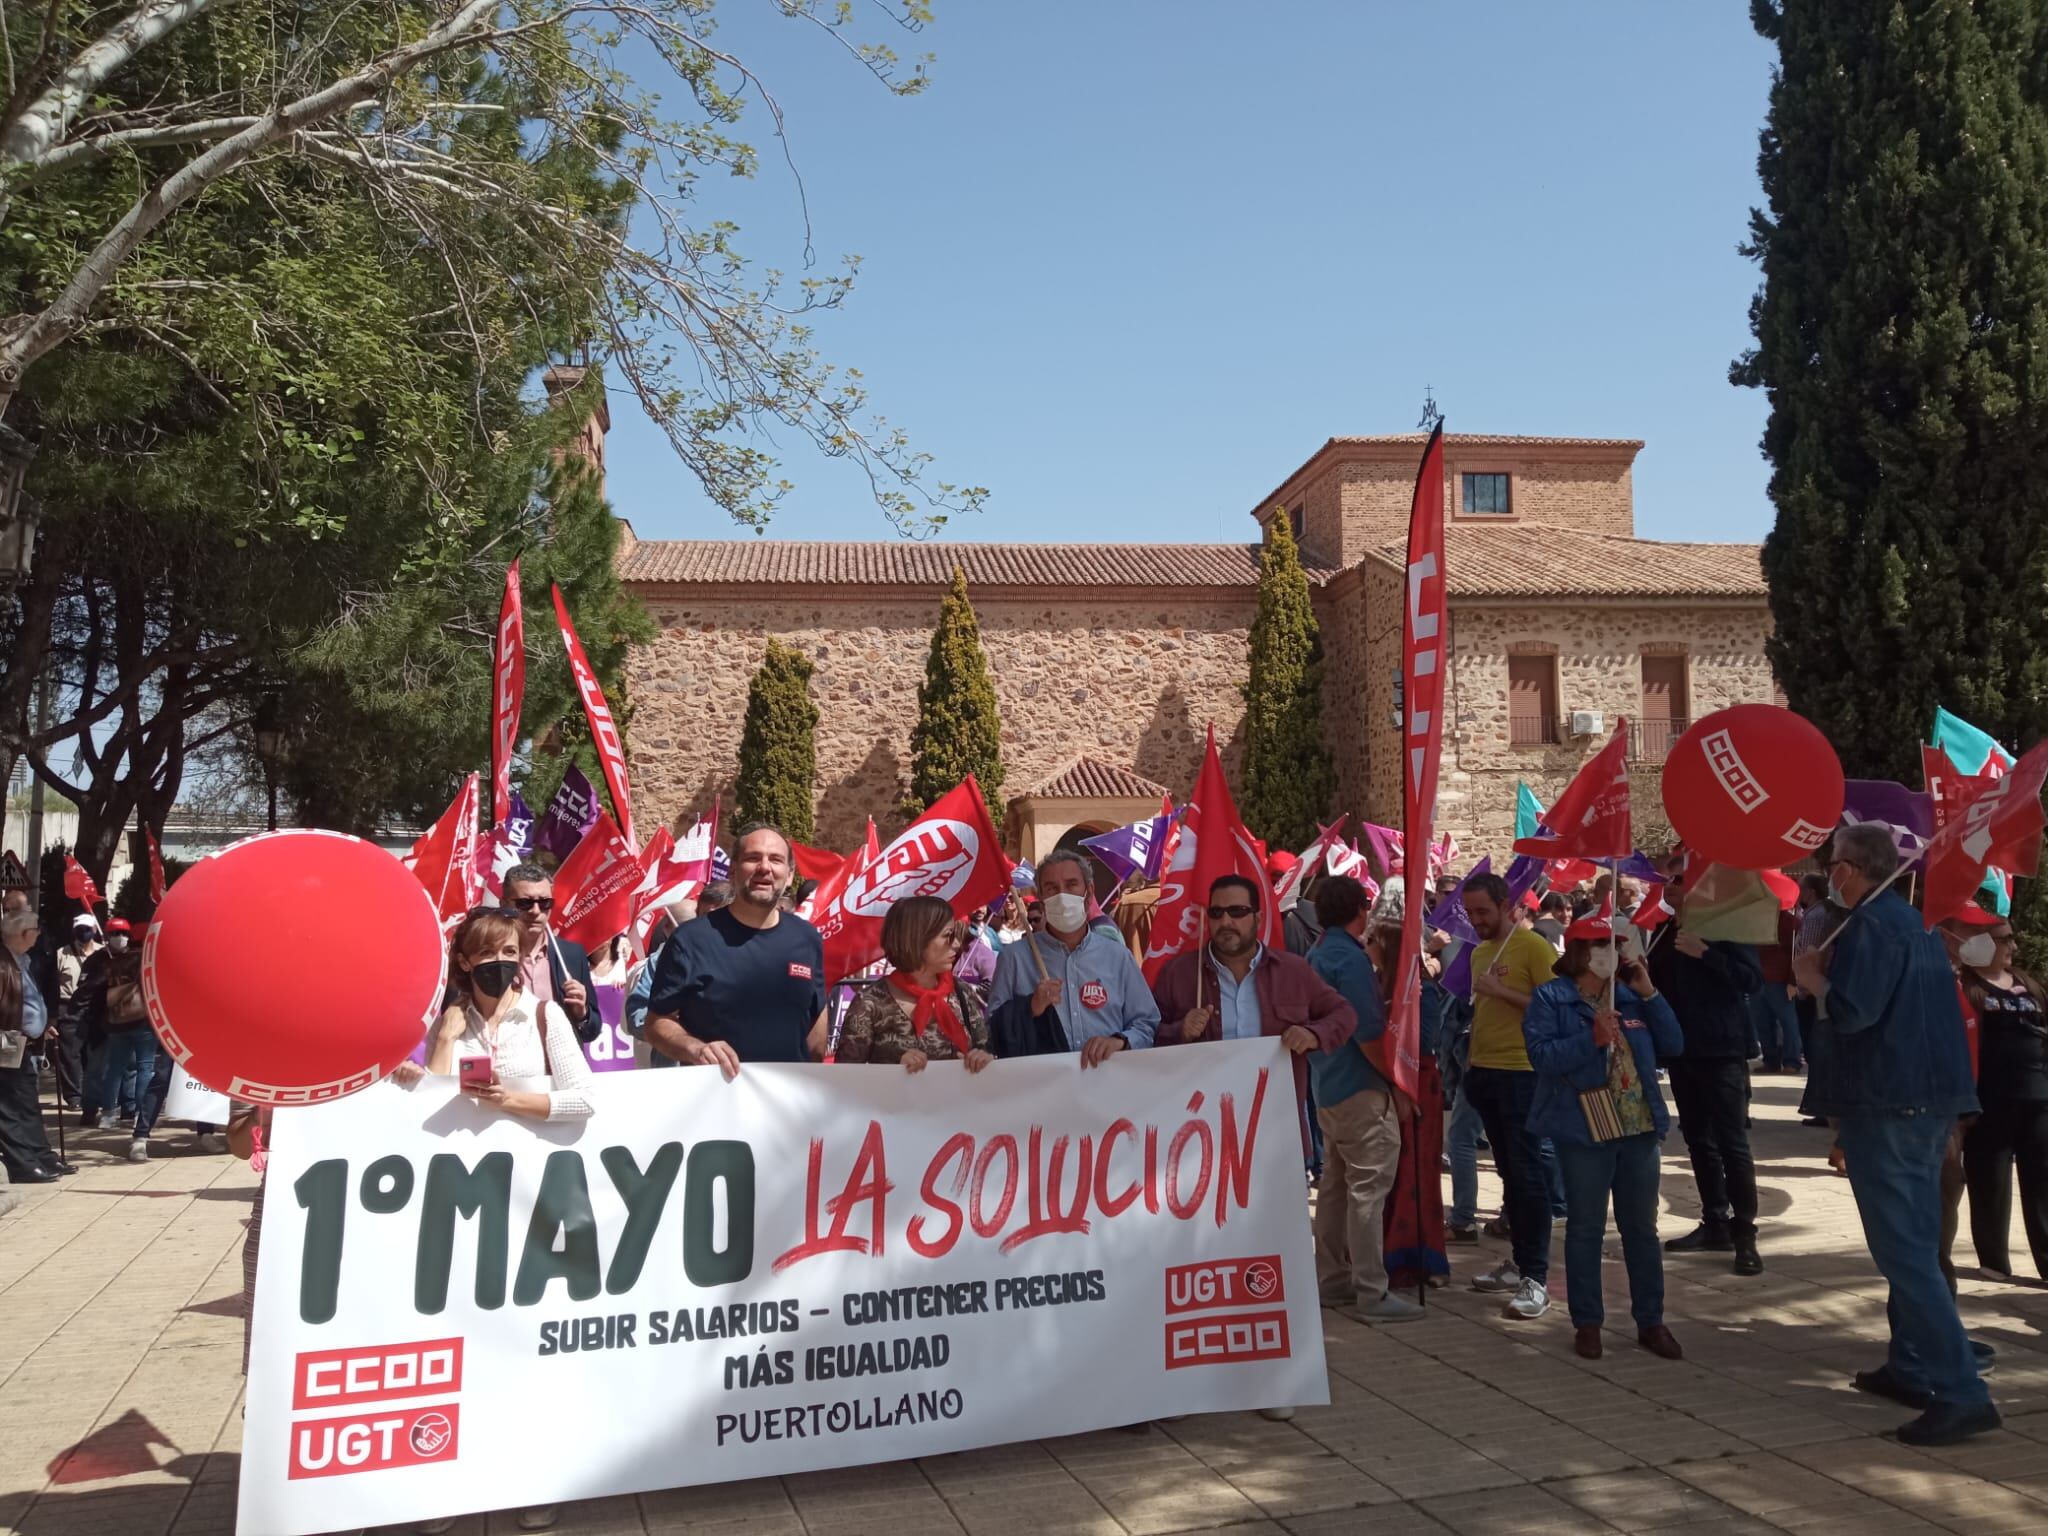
x: 778, y: 751
x: 1288, y: 775
x: 958, y: 731
x: 1900, y: 332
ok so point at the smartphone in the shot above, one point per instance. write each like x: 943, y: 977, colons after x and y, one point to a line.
x: 474, y: 1071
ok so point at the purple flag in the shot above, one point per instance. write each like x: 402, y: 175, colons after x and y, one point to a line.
x: 1907, y: 813
x: 517, y: 827
x: 572, y: 813
x: 1639, y: 866
x: 1131, y: 850
x: 721, y: 864
x: 1385, y: 846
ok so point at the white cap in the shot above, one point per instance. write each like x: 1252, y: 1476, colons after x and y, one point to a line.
x: 86, y: 920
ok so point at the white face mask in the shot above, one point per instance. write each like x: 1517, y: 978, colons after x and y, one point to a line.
x: 1977, y: 951
x: 1066, y: 913
x: 1602, y: 961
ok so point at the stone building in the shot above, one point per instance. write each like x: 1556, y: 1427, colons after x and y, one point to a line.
x: 1111, y: 659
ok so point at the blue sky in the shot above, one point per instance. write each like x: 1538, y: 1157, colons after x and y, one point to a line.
x: 1127, y: 264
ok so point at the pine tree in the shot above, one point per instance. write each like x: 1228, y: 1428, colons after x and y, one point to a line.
x: 958, y: 731
x: 778, y: 755
x: 1288, y: 775
x: 1899, y: 333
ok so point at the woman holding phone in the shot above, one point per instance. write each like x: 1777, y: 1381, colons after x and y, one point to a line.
x: 510, y: 1050
x: 1594, y: 1036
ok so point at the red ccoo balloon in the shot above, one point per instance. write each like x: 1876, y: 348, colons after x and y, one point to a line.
x: 294, y: 967
x: 1753, y: 787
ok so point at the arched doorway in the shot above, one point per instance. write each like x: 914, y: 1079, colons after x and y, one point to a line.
x: 1105, y: 880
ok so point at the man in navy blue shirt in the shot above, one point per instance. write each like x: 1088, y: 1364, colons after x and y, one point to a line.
x: 1889, y: 1064
x: 746, y: 982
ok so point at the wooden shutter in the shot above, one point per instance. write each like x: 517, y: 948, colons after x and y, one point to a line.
x: 1532, y: 699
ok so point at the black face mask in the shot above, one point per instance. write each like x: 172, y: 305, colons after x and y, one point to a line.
x: 494, y: 978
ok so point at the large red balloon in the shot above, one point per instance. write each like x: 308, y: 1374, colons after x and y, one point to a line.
x: 294, y: 967
x: 1753, y: 787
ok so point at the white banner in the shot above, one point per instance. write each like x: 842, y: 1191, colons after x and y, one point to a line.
x: 189, y: 1099
x: 806, y: 1267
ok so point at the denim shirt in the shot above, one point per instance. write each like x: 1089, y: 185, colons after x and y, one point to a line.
x: 35, y: 1013
x: 1891, y: 1041
x: 1102, y: 991
x: 1558, y: 1031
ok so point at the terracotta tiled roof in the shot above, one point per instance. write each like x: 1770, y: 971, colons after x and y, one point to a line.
x: 902, y: 563
x: 1495, y: 440
x: 1535, y: 560
x: 1086, y: 779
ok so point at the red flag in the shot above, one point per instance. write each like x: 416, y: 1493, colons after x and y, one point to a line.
x: 1566, y: 873
x: 817, y: 864
x: 672, y: 871
x: 157, y: 883
x: 1654, y: 910
x: 595, y: 885
x: 952, y: 851
x: 444, y: 857
x: 78, y: 883
x: 1213, y: 843
x: 508, y: 688
x: 1288, y: 891
x: 1423, y: 630
x: 611, y: 752
x: 2000, y: 824
x: 1591, y: 818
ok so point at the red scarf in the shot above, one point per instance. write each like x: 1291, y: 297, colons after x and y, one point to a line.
x: 933, y: 1007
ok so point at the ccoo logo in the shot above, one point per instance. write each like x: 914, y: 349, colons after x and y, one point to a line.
x: 933, y: 858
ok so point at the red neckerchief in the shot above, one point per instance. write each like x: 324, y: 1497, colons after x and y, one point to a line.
x: 933, y: 1007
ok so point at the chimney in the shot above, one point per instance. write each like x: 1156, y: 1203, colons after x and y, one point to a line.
x: 562, y: 379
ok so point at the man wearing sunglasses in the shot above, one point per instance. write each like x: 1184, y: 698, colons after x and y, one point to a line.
x: 554, y: 970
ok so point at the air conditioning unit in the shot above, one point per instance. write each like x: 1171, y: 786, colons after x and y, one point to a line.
x: 1588, y: 722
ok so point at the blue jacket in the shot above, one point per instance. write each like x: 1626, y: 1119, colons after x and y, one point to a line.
x: 1346, y: 1071
x: 1558, y: 1030
x: 1890, y: 1037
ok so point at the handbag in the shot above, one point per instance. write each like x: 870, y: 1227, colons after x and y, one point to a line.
x: 1617, y: 1108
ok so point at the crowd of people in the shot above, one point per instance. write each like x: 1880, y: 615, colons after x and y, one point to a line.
x: 1926, y: 1057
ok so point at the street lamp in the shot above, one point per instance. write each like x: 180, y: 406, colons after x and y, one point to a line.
x: 269, y: 748
x: 17, y: 512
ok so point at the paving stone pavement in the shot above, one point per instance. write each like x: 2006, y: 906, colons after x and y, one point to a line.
x: 120, y: 1398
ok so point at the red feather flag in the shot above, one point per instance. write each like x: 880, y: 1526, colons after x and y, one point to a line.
x: 1424, y: 632
x: 1213, y: 843
x: 595, y: 887
x: 604, y: 733
x: 508, y: 688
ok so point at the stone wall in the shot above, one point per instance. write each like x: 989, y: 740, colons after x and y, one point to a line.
x: 1129, y: 677
x: 1599, y: 652
x: 1355, y: 498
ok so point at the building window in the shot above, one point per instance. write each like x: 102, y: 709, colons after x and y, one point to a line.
x: 1294, y: 521
x: 1532, y: 701
x: 1666, y: 707
x: 1486, y: 496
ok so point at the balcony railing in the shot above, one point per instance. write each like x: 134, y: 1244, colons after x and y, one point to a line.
x: 1534, y: 731
x: 1651, y: 740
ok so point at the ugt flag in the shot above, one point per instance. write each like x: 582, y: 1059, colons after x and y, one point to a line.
x: 952, y: 851
x: 1213, y: 843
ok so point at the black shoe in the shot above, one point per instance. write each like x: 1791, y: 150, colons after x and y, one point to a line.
x: 1819, y: 1121
x: 1949, y: 1426
x: 1461, y: 1234
x: 33, y: 1176
x: 58, y: 1166
x: 1987, y: 1357
x: 1882, y: 1383
x: 1704, y: 1238
x: 1498, y: 1227
x: 1747, y: 1260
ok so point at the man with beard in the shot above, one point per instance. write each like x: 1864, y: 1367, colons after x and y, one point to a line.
x: 747, y: 981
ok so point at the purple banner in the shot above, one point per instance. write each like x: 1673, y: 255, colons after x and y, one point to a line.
x: 612, y: 1050
x: 1131, y: 850
x: 572, y: 813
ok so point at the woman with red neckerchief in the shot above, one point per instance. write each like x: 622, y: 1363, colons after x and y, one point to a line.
x: 917, y: 1015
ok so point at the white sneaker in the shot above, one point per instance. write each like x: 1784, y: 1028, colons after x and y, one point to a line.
x: 1390, y: 1309
x: 138, y: 1151
x: 1503, y: 1277
x: 1277, y: 1415
x: 1532, y: 1300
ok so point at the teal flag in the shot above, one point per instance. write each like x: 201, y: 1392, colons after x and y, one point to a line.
x: 1967, y: 747
x: 1528, y: 811
x: 1970, y: 749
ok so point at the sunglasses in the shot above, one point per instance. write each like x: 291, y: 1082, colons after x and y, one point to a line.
x: 529, y: 903
x: 1237, y: 909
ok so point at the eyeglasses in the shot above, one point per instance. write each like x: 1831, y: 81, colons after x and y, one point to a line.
x: 1237, y: 909
x: 529, y: 903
